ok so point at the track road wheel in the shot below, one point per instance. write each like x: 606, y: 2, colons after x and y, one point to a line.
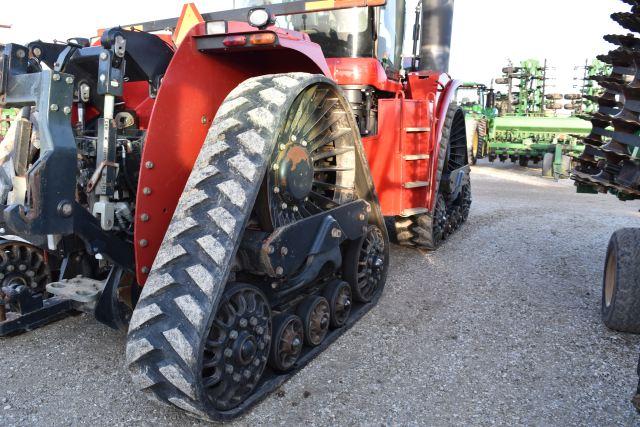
x: 364, y: 265
x: 621, y: 283
x: 338, y: 294
x: 188, y: 314
x: 287, y: 342
x: 315, y: 314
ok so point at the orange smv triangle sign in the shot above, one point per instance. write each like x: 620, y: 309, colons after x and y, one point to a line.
x: 189, y: 17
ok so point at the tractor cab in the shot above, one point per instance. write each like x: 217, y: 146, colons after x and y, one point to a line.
x: 358, y: 32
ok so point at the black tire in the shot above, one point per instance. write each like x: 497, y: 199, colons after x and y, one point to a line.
x: 288, y: 324
x: 621, y: 283
x: 547, y: 165
x: 316, y: 317
x: 179, y: 302
x: 465, y: 201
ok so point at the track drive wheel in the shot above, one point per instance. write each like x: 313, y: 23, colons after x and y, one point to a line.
x: 621, y: 284
x: 197, y: 340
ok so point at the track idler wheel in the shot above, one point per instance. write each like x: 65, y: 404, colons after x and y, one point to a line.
x: 287, y: 341
x: 316, y: 316
x: 364, y: 265
x: 338, y: 294
x: 237, y: 347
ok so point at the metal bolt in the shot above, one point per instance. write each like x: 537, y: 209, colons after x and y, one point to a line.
x: 253, y: 321
x: 146, y: 191
x: 283, y: 206
x: 145, y: 270
x: 56, y: 77
x: 103, y: 56
x: 233, y: 334
x: 271, y: 249
x: 294, y: 208
x: 247, y: 373
x: 243, y: 323
x: 304, y: 143
x: 276, y: 190
x: 144, y: 243
x: 54, y: 107
x: 144, y: 217
x: 37, y: 52
x: 260, y: 330
x: 103, y: 78
x: 279, y: 270
x: 336, y: 232
x: 149, y: 164
x: 228, y: 352
x: 282, y: 146
x: 274, y: 285
x: 276, y: 167
x: 228, y: 369
x: 67, y: 110
x: 294, y: 138
x: 306, y: 199
x: 203, y: 120
x: 69, y: 80
x: 284, y: 250
x: 361, y: 217
x: 20, y: 53
x: 66, y: 209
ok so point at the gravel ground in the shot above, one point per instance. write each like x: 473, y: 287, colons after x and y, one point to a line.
x: 499, y: 326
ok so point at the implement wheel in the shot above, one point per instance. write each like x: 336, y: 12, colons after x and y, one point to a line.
x: 621, y: 283
x: 547, y: 165
x: 197, y: 340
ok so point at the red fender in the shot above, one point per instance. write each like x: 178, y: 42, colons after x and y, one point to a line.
x: 193, y: 88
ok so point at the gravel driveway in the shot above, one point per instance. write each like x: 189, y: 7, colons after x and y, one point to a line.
x: 500, y: 326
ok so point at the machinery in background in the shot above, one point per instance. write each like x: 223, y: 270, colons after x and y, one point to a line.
x: 478, y: 102
x: 610, y: 164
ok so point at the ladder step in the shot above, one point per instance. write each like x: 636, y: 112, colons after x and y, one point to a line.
x: 415, y: 184
x: 416, y: 157
x: 412, y: 130
x: 413, y: 211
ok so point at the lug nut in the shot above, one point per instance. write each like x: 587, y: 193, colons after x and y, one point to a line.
x: 282, y: 147
x: 279, y: 271
x: 237, y: 378
x: 336, y: 233
x: 247, y: 373
x: 228, y: 369
x: 253, y: 321
x: 228, y: 352
x: 56, y: 77
x: 283, y: 206
x: 233, y: 334
x: 243, y: 323
x: 276, y: 167
x: 22, y: 267
x: 276, y: 190
x: 294, y: 138
x: 284, y: 251
x: 294, y: 208
x: 260, y: 346
x: 304, y: 143
x: 256, y: 362
x: 260, y: 330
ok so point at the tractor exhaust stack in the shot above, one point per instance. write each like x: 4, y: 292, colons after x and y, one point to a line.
x: 437, y: 19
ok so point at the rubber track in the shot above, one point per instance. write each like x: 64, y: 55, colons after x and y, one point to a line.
x: 179, y: 300
x: 416, y: 230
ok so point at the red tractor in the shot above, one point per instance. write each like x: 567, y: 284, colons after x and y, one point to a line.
x: 227, y: 197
